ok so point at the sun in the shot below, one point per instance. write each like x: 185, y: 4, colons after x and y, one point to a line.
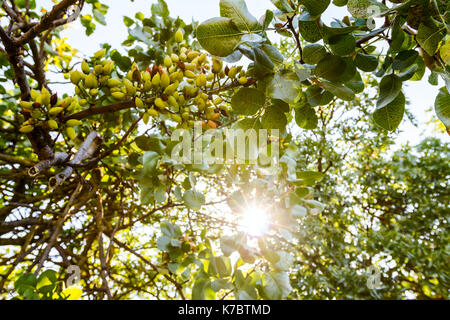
x: 255, y: 221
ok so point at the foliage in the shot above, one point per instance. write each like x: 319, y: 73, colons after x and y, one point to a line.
x: 88, y: 178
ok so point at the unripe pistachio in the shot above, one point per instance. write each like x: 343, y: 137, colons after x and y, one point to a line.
x: 171, y: 89
x: 52, y: 124
x: 190, y: 66
x: 176, y: 118
x: 181, y: 99
x: 179, y: 36
x: 147, y: 86
x: 93, y: 92
x: 200, y: 81
x: 34, y: 94
x: 85, y: 67
x: 190, y: 74
x: 26, y: 129
x: 217, y: 66
x: 215, y: 116
x: 76, y: 76
x: 131, y: 90
x: 153, y: 112
x: 212, y: 124
x: 91, y: 81
x: 172, y: 69
x: 160, y: 103
x: 174, y: 58
x: 26, y: 105
x: 156, y: 81
x: 233, y: 72
x: 167, y: 61
x: 243, y: 80
x: 146, y: 76
x: 165, y: 80
x: 217, y: 100
x: 36, y: 114
x: 82, y: 102
x: 98, y: 69
x: 146, y: 118
x: 172, y: 101
x: 118, y: 95
x: 183, y: 57
x: 192, y: 55
x: 210, y: 77
x: 100, y: 54
x: 185, y: 116
x: 202, y: 58
x: 55, y: 111
x: 73, y: 123
x: 104, y: 80
x: 139, y: 103
x: 71, y: 133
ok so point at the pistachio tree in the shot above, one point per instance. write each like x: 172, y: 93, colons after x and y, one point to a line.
x: 88, y: 175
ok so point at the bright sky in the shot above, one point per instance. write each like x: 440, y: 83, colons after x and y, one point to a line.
x: 421, y: 94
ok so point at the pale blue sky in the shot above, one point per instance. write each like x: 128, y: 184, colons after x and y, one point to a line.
x: 421, y: 94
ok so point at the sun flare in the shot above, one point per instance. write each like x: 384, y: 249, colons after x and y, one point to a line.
x: 255, y: 221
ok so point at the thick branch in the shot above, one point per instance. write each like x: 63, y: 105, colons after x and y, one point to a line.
x: 47, y: 21
x: 94, y: 110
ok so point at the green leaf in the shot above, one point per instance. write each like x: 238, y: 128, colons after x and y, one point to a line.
x: 219, y: 36
x: 366, y: 62
x: 442, y: 106
x: 317, y: 96
x: 429, y: 35
x: 342, y: 44
x: 390, y: 115
x: 306, y: 117
x: 247, y: 101
x: 339, y: 90
x: 330, y: 68
x: 313, y: 53
x: 390, y: 87
x: 237, y: 11
x: 360, y: 8
x: 298, y: 211
x: 310, y: 30
x: 274, y: 119
x: 223, y: 266
x: 202, y: 290
x: 193, y: 199
x: 316, y: 7
x: 284, y: 86
x: 228, y: 245
x: 285, y: 261
x: 404, y: 59
x: 275, y: 285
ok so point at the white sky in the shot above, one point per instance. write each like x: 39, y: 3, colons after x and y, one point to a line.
x: 420, y: 94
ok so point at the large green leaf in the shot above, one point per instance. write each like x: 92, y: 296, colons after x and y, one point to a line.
x: 442, y: 107
x: 237, y: 11
x: 366, y: 62
x: 429, y: 35
x: 273, y: 119
x: 390, y: 86
x: 339, y: 90
x: 330, y: 68
x: 193, y: 199
x: 284, y: 86
x: 219, y: 36
x: 313, y: 53
x: 360, y: 8
x: 316, y: 7
x: 306, y: 117
x: 342, y: 44
x: 276, y: 285
x: 390, y: 115
x: 248, y: 101
x: 404, y: 59
x: 310, y: 30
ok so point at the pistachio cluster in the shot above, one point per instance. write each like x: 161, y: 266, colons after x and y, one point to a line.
x: 185, y: 88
